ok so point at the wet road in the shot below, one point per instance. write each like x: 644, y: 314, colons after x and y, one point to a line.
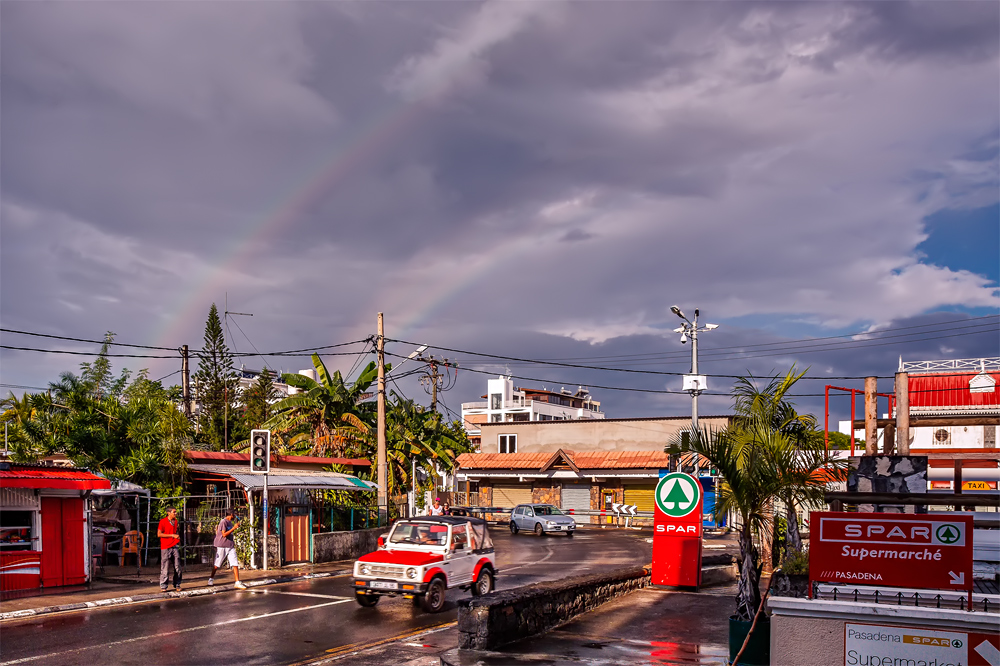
x: 291, y: 622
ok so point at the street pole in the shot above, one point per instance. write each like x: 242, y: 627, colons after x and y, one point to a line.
x: 694, y: 385
x: 383, y: 501
x: 186, y: 381
x: 266, y: 518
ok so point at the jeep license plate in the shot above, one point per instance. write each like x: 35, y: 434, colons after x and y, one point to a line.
x: 379, y: 585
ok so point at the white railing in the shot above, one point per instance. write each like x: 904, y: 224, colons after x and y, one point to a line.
x: 474, y: 405
x: 974, y: 364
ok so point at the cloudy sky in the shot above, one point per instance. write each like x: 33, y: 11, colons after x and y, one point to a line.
x: 536, y: 180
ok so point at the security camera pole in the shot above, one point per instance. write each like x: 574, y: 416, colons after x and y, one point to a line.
x: 693, y: 383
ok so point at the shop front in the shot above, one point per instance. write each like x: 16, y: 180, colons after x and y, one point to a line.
x: 44, y: 540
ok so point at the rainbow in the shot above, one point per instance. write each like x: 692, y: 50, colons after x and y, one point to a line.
x: 192, y: 307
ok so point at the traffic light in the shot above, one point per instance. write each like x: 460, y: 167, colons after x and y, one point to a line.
x: 260, y: 451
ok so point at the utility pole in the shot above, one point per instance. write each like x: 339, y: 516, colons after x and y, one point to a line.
x: 434, y: 381
x: 693, y: 383
x: 185, y: 381
x: 383, y: 498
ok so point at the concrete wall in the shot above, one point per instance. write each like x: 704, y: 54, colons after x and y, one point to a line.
x: 593, y: 435
x: 500, y: 618
x: 334, y: 546
x: 822, y: 622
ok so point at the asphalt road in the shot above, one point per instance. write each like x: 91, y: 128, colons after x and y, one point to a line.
x: 294, y: 622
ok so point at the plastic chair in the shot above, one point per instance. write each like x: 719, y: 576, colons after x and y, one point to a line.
x: 131, y: 545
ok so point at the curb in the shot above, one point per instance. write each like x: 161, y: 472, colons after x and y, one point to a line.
x: 140, y: 598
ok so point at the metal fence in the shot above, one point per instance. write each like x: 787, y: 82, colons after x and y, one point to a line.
x: 984, y: 601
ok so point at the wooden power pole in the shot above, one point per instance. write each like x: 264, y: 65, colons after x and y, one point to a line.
x: 871, y: 415
x: 383, y: 498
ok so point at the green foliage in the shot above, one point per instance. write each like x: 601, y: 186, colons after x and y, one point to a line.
x: 97, y: 375
x: 257, y: 401
x: 838, y: 440
x: 216, y: 386
x: 796, y: 562
x: 764, y: 454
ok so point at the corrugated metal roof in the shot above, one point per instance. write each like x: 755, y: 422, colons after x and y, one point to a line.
x: 947, y: 392
x: 280, y: 478
x: 36, y: 476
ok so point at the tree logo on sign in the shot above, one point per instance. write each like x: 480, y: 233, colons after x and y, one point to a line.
x: 948, y: 534
x: 677, y: 494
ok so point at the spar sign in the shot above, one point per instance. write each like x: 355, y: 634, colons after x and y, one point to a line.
x: 895, y: 550
x: 677, y: 531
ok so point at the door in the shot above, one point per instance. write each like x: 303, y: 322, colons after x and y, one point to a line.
x: 295, y: 531
x: 576, y: 496
x: 63, y: 561
x: 643, y: 497
x: 510, y: 495
x: 461, y: 559
x: 52, y: 545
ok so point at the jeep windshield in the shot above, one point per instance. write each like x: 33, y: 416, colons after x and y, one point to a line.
x: 420, y: 534
x: 548, y: 511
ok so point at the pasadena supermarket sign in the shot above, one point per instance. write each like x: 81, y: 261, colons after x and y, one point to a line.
x: 895, y: 550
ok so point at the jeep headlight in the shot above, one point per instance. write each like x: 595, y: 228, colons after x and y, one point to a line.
x: 411, y: 573
x: 365, y: 570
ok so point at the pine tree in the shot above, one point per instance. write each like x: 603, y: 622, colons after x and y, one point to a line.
x: 216, y: 385
x: 257, y: 401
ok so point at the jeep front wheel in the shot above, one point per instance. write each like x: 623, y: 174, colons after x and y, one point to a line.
x: 433, y: 601
x: 366, y: 600
x: 483, y: 584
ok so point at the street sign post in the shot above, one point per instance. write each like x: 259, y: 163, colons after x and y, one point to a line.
x: 891, y: 549
x: 677, y: 531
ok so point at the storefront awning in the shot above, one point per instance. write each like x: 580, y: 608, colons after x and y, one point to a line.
x: 57, y: 478
x: 287, y: 478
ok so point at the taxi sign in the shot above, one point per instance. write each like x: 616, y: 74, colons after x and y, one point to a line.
x: 979, y: 485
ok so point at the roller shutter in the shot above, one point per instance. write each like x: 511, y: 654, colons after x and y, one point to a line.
x: 643, y: 496
x: 510, y: 495
x: 576, y: 496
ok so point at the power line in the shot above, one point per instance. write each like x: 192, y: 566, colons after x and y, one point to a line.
x: 82, y: 353
x: 95, y: 342
x: 684, y: 354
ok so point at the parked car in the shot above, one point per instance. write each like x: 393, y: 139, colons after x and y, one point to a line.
x: 421, y: 558
x: 540, y: 519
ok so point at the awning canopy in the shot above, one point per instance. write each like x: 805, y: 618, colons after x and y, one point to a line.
x: 287, y: 478
x: 44, y: 476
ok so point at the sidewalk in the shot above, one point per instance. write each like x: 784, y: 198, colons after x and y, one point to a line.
x: 130, y: 587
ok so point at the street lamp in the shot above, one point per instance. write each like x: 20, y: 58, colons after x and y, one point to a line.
x: 693, y: 382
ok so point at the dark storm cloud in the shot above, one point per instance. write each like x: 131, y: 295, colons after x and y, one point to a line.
x: 533, y: 179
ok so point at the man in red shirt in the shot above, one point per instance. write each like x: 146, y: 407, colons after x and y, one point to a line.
x: 170, y: 555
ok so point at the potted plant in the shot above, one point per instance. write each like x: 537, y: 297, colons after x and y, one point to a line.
x: 792, y: 579
x: 762, y: 456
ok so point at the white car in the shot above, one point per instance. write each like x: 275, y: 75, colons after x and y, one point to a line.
x: 422, y: 557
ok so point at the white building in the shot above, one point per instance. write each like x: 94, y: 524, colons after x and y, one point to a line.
x: 506, y: 403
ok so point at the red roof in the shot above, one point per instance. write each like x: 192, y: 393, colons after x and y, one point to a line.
x: 60, y: 478
x: 229, y: 456
x: 583, y: 460
x: 944, y: 391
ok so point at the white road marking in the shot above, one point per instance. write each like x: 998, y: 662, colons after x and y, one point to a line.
x: 306, y: 594
x: 504, y: 570
x: 172, y: 633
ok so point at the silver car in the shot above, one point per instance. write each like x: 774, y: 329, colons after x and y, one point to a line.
x: 540, y: 518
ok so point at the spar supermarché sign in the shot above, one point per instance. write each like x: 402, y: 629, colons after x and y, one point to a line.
x: 896, y: 550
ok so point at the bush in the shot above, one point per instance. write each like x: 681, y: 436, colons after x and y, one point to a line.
x: 796, y: 562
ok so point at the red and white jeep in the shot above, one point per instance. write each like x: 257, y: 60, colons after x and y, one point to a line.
x: 422, y: 557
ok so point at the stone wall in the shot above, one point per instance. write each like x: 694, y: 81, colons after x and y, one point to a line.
x: 546, y: 493
x: 334, y: 546
x: 485, y: 623
x: 888, y: 474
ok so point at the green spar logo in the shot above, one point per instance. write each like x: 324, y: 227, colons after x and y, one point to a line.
x: 677, y: 494
x: 948, y: 534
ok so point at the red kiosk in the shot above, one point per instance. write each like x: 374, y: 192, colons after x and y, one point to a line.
x: 43, y: 520
x: 678, y: 530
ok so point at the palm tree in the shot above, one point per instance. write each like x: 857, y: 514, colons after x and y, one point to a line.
x: 759, y: 458
x: 328, y: 417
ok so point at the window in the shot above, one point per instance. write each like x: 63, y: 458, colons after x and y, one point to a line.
x: 495, y: 418
x: 508, y: 444
x: 685, y: 438
x: 496, y: 401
